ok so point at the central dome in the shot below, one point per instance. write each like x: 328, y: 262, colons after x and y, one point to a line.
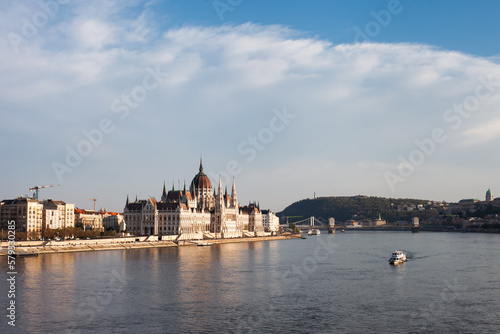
x: 201, y: 180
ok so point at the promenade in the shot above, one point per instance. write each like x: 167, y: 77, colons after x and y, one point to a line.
x: 70, y: 246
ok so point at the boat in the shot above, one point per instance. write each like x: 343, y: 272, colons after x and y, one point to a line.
x: 205, y: 244
x: 314, y: 232
x: 343, y: 231
x: 397, y: 257
x: 304, y: 237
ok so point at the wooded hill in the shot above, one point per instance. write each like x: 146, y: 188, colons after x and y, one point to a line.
x: 361, y: 207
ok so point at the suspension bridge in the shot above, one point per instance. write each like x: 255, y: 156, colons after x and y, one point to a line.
x: 309, y: 223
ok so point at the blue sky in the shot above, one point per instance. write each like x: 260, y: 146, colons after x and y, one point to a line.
x: 381, y: 98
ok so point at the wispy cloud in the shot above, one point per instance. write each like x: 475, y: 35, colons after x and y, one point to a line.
x: 221, y: 84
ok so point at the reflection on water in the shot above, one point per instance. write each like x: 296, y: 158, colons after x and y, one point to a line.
x: 279, y: 286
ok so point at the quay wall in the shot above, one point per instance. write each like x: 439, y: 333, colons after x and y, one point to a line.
x: 71, y: 246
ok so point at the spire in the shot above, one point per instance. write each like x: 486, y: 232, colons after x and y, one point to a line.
x: 173, y: 186
x: 225, y: 194
x: 127, y: 200
x: 234, y: 199
x: 184, y: 186
x: 201, y: 165
x: 220, y: 185
x: 164, y: 189
x: 136, y: 198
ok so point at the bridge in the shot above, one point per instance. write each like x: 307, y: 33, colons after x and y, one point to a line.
x: 310, y: 223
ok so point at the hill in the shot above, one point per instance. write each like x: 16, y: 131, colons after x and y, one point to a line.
x: 362, y: 207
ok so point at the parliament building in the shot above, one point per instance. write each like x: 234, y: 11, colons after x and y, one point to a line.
x: 197, y: 213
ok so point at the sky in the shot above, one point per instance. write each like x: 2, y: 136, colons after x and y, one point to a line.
x: 292, y: 99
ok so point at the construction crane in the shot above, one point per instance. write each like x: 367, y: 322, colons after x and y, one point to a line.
x: 36, y: 188
x: 95, y: 200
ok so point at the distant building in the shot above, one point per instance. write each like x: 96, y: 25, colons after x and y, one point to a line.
x: 352, y: 223
x: 472, y: 205
x: 199, y: 212
x: 26, y: 212
x: 33, y: 216
x: 58, y: 215
x: 113, y: 220
x: 89, y: 219
x: 270, y: 221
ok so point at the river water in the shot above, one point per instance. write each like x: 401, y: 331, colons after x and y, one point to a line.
x: 338, y: 283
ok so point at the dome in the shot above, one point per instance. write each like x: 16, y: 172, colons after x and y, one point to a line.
x: 201, y: 180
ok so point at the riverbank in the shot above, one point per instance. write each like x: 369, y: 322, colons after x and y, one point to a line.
x: 89, y: 246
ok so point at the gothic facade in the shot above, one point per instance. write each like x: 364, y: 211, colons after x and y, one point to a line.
x: 197, y: 213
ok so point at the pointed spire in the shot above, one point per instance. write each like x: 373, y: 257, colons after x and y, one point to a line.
x: 164, y: 189
x: 201, y: 165
x: 234, y: 199
x: 173, y: 186
x: 127, y: 200
x: 184, y: 186
x: 225, y: 194
x: 136, y: 198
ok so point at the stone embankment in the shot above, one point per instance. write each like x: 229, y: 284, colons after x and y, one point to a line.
x: 70, y: 246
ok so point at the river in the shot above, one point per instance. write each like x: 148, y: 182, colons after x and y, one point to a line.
x: 338, y: 283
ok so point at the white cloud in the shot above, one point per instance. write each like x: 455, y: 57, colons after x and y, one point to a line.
x: 221, y: 86
x: 483, y: 133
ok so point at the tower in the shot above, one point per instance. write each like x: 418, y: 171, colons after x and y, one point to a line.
x: 202, y: 189
x: 164, y: 194
x: 489, y: 196
x: 234, y: 199
x: 220, y: 211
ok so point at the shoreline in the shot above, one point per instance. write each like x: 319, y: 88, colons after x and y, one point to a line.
x: 86, y: 247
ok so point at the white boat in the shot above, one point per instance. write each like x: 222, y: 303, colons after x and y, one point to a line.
x: 314, y: 232
x: 397, y: 257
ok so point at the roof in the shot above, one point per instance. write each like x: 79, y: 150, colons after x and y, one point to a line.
x: 201, y: 180
x: 19, y: 200
x: 135, y: 205
x: 469, y: 200
x: 167, y: 206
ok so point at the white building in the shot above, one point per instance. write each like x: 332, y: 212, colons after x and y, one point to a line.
x: 200, y: 213
x: 270, y: 221
x: 58, y: 215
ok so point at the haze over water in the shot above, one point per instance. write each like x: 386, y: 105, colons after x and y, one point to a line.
x: 325, y: 284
